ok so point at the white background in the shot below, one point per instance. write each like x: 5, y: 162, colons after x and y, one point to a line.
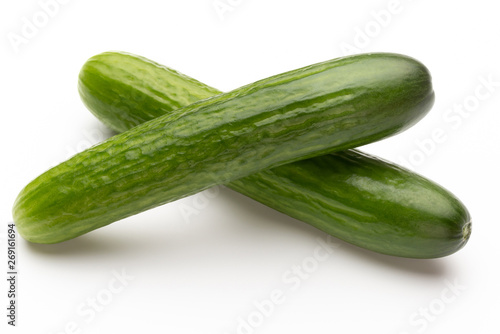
x: 208, y: 271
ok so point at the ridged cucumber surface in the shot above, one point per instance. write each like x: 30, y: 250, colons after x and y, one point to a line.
x: 359, y: 198
x: 330, y: 106
x: 126, y: 89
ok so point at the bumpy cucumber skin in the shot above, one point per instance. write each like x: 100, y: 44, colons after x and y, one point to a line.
x: 334, y: 105
x: 356, y: 197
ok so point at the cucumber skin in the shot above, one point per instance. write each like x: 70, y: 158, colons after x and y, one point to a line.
x: 138, y: 99
x: 340, y: 193
x: 334, y: 105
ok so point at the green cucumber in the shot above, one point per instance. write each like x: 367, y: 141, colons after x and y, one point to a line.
x: 356, y: 197
x: 329, y: 106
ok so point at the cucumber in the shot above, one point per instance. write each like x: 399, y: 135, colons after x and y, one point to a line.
x: 329, y: 106
x: 351, y: 195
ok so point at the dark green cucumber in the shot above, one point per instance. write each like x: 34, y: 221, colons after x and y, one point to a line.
x: 314, y: 190
x: 330, y: 106
x: 359, y: 198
